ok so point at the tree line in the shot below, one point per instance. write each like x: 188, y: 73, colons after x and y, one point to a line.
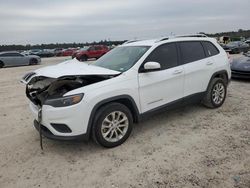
x: 232, y: 34
x: 57, y: 45
x: 239, y: 33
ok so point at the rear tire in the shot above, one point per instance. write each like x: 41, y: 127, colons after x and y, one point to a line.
x: 216, y: 93
x: 83, y: 58
x: 33, y: 62
x: 112, y: 125
x: 1, y: 64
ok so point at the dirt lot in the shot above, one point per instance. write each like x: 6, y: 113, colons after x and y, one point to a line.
x: 189, y: 147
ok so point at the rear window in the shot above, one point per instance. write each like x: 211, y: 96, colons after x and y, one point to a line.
x: 210, y: 49
x: 191, y: 51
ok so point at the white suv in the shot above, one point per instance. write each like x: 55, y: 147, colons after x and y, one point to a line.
x: 103, y: 99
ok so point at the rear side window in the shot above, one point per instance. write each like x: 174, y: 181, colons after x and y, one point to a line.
x: 98, y: 48
x: 165, y: 54
x: 10, y: 55
x: 210, y: 49
x: 191, y: 51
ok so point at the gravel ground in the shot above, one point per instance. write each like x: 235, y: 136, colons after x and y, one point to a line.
x: 189, y: 147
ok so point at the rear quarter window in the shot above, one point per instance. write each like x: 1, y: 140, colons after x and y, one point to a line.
x: 191, y: 51
x: 210, y: 49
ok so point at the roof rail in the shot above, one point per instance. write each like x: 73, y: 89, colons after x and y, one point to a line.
x: 162, y: 39
x: 192, y: 35
x: 179, y: 36
x: 130, y: 41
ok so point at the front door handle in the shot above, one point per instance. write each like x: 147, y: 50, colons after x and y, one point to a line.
x: 209, y: 63
x: 177, y: 72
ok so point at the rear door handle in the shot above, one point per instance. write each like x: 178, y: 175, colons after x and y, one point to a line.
x: 177, y: 72
x: 209, y: 63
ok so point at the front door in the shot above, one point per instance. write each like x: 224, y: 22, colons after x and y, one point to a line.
x: 161, y: 87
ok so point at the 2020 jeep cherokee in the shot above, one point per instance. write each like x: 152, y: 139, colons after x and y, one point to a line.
x: 102, y: 100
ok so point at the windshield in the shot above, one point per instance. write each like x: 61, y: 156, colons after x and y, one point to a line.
x: 85, y: 48
x: 121, y: 58
x: 233, y: 43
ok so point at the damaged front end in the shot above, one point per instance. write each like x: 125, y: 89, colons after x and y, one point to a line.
x: 50, y: 91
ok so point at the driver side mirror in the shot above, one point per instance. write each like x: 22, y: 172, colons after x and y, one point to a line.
x: 151, y: 66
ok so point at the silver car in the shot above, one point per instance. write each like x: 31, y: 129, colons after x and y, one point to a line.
x: 8, y: 59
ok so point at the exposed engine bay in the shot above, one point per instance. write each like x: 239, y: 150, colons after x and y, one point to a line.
x: 41, y: 88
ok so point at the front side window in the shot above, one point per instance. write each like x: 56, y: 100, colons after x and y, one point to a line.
x: 17, y: 55
x: 91, y: 48
x: 191, y: 51
x: 121, y: 58
x: 166, y: 55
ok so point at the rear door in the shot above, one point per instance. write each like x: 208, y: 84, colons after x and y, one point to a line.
x: 197, y: 67
x: 160, y: 87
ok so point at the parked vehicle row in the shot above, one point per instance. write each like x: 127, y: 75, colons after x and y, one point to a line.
x: 236, y: 47
x: 82, y: 54
x: 12, y: 58
x: 102, y: 100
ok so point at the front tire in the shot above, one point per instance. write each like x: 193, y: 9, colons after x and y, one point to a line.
x: 112, y: 125
x: 33, y: 62
x: 1, y: 64
x: 216, y: 93
x: 83, y: 58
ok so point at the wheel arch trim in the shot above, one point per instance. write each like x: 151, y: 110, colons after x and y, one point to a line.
x: 134, y: 110
x: 216, y: 74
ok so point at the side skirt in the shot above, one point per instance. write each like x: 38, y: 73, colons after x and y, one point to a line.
x: 191, y: 99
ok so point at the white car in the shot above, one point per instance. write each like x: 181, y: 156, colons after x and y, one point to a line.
x: 103, y: 99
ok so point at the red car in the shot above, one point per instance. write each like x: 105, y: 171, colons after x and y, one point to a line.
x: 90, y: 52
x: 68, y: 52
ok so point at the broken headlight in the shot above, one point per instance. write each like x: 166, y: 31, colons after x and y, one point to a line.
x: 64, y: 101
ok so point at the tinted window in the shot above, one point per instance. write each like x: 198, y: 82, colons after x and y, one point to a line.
x: 165, y: 54
x: 210, y: 49
x: 98, y: 48
x: 16, y: 55
x: 191, y: 51
x: 11, y: 55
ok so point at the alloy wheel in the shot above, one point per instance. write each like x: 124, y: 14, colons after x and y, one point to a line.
x: 218, y: 93
x: 114, y: 126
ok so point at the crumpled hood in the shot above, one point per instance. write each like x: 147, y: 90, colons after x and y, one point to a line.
x: 241, y: 64
x: 71, y: 68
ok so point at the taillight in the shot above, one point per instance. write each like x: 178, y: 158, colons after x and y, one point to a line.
x: 230, y: 60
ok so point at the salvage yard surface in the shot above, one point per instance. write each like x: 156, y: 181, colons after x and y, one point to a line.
x: 189, y: 147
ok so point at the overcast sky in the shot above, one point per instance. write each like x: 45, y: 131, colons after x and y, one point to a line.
x: 51, y: 21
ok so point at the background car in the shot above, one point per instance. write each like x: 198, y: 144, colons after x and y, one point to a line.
x: 57, y: 51
x: 8, y: 59
x: 91, y: 52
x: 236, y: 47
x: 44, y: 53
x: 247, y: 41
x: 240, y: 66
x: 68, y: 52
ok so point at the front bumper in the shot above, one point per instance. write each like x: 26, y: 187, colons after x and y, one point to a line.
x: 73, y: 117
x: 240, y: 74
x: 48, y: 134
